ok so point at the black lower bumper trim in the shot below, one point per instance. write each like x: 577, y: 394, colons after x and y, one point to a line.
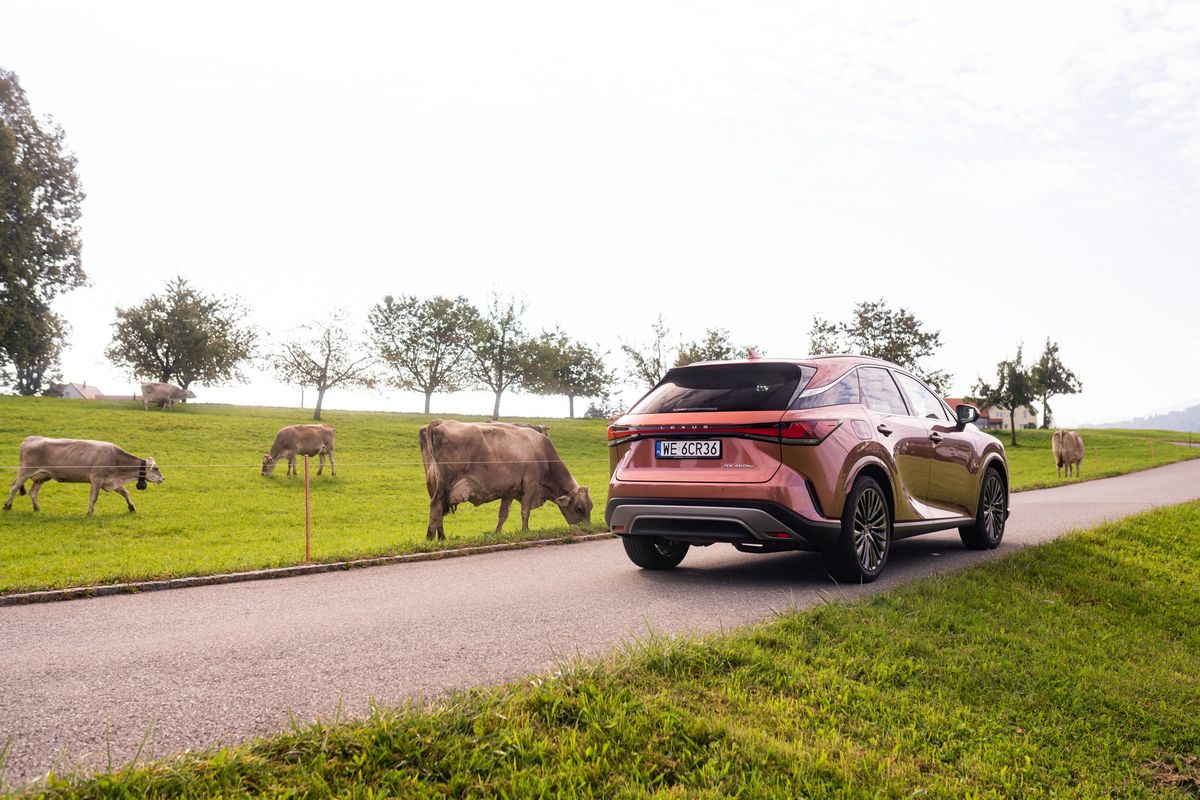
x: 760, y: 523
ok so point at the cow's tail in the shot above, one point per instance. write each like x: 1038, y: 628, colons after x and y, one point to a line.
x: 438, y: 491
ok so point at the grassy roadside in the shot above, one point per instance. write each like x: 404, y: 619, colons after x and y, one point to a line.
x: 216, y: 513
x: 1064, y: 670
x: 1108, y: 453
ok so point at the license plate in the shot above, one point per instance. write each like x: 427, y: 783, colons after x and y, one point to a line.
x: 687, y: 448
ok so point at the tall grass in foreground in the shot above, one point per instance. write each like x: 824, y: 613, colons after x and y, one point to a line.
x: 1068, y: 670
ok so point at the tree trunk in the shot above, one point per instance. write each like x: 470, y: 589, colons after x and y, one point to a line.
x: 1047, y: 417
x: 496, y: 407
x: 320, y: 400
x: 1012, y: 422
x: 571, y: 405
x: 428, y: 395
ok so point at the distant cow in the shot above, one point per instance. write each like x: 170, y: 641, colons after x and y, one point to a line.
x: 101, y: 464
x: 1068, y: 451
x: 301, y: 440
x: 164, y: 395
x: 480, y: 462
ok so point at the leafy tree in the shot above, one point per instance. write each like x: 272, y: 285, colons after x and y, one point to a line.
x: 499, y: 347
x: 648, y: 362
x: 558, y: 365
x: 876, y: 330
x: 425, y: 343
x: 715, y: 346
x: 182, y: 336
x: 1013, y: 389
x: 40, y: 199
x: 322, y: 355
x: 1052, y: 378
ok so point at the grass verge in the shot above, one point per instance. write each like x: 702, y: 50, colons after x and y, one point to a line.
x: 1066, y: 670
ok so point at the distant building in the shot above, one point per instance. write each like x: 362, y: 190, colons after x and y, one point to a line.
x: 81, y: 391
x: 995, y: 417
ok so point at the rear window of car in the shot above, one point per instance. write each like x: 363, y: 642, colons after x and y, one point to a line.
x: 725, y: 387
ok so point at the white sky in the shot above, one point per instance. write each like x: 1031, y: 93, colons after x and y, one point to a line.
x: 1007, y: 172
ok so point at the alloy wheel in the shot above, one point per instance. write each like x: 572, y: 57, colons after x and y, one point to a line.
x: 870, y: 530
x: 993, y: 508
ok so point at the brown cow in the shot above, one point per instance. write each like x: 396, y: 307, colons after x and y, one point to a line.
x: 1068, y: 451
x: 101, y: 464
x: 301, y: 440
x: 478, y: 462
x: 164, y: 395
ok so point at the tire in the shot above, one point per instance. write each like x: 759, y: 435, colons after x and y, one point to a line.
x: 988, y: 530
x: 652, y: 552
x: 862, y: 548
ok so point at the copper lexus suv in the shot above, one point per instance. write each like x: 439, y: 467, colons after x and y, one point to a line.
x: 838, y: 454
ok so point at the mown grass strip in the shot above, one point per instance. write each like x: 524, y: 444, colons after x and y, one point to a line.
x: 1067, y: 670
x: 217, y: 514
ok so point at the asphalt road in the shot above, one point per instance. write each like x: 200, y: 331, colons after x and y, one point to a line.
x: 86, y: 681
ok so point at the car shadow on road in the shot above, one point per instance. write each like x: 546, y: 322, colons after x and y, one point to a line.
x: 722, y: 566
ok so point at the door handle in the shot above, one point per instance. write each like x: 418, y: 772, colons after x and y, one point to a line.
x: 935, y: 437
x: 884, y: 429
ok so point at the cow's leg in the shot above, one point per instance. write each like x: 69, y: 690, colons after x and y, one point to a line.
x: 321, y: 465
x: 292, y: 465
x: 332, y: 471
x: 17, y: 483
x: 436, y: 515
x: 33, y: 492
x: 505, y: 505
x: 95, y: 494
x: 121, y: 490
x: 526, y: 507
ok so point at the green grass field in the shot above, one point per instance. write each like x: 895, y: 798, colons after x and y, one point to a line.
x: 1067, y: 670
x: 216, y: 513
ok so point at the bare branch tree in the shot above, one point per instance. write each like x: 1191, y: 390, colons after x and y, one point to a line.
x: 323, y: 356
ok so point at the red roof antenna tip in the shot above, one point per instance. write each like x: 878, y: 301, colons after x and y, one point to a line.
x: 753, y: 353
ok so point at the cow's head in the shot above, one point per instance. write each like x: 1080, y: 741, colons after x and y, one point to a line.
x: 576, y: 507
x: 148, y: 472
x: 268, y: 464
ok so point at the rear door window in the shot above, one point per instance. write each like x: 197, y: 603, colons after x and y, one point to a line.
x: 879, y: 391
x: 841, y: 392
x: 725, y: 387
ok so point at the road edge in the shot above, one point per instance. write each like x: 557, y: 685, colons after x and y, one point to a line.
x: 136, y: 587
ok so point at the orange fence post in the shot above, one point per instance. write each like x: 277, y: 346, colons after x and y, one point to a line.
x: 307, y: 516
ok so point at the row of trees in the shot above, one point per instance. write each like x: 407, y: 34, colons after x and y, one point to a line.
x: 430, y: 345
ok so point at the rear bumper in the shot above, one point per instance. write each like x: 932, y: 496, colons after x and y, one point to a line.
x: 758, y: 523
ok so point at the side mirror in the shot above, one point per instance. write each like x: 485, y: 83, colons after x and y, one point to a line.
x: 965, y: 414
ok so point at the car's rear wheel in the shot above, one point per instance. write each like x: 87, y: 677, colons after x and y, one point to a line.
x: 652, y: 552
x: 862, y: 548
x: 988, y: 529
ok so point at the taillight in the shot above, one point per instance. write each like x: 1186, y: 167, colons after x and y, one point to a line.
x: 616, y: 432
x: 807, y: 431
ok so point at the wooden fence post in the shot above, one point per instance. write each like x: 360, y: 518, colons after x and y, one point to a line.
x: 307, y: 517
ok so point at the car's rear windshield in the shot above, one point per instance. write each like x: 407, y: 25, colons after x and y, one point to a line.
x: 725, y: 387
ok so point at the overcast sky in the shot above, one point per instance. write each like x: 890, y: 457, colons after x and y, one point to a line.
x: 1006, y: 172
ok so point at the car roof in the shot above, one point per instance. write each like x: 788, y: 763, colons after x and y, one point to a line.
x: 829, y: 367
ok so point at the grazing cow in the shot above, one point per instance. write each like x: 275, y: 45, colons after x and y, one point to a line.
x: 164, y: 395
x: 101, y: 464
x: 478, y: 462
x: 301, y: 440
x: 1068, y: 451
